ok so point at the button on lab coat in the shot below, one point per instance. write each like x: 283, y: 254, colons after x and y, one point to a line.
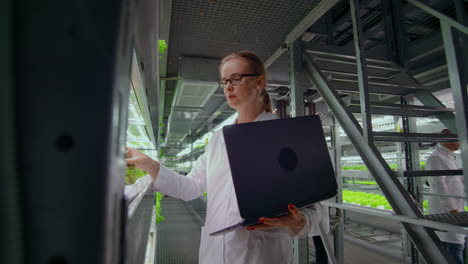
x: 444, y: 159
x: 211, y: 173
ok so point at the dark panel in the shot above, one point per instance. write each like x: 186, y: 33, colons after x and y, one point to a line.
x: 11, y: 213
x: 72, y: 71
x: 146, y: 46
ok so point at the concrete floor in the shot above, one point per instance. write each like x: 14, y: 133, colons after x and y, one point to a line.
x: 356, y: 253
x: 361, y: 252
x: 178, y: 240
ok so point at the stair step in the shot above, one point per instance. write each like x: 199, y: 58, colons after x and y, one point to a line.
x: 374, y: 88
x: 379, y: 108
x: 414, y: 137
x: 459, y: 219
x: 432, y: 173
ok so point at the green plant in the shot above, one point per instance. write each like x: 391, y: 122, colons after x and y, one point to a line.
x: 366, y: 199
x: 162, y: 46
x: 423, y: 165
x: 161, y: 152
x: 392, y: 166
x: 132, y: 174
x: 159, y: 217
x: 363, y: 182
x: 198, y: 146
x: 373, y: 200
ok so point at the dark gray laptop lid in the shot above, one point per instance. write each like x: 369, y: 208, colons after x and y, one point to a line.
x: 277, y: 162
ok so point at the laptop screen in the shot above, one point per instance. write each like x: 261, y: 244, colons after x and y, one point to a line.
x: 277, y: 162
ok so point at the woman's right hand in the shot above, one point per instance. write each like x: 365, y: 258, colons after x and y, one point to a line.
x: 142, y: 161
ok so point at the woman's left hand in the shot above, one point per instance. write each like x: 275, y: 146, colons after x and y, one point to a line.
x: 295, y: 221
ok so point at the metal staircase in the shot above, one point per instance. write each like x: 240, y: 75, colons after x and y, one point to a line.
x: 377, y: 78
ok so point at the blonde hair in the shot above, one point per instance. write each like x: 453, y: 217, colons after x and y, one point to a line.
x: 257, y: 65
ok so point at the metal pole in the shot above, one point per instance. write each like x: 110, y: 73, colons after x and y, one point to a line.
x: 426, y: 241
x: 362, y: 71
x: 411, y: 157
x: 301, y: 245
x: 400, y: 149
x: 282, y: 107
x: 339, y: 229
x: 397, y: 47
x: 295, y: 71
x: 326, y: 243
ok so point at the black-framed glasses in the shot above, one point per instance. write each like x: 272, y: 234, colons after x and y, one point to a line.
x: 235, y: 79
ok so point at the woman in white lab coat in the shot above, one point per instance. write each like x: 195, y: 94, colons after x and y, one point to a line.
x: 243, y: 78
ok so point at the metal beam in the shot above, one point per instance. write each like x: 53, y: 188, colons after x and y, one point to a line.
x: 425, y: 240
x: 401, y: 218
x: 425, y: 47
x: 327, y: 245
x: 400, y: 109
x: 454, y: 57
x: 339, y: 229
x: 373, y: 66
x: 295, y: 71
x: 394, y: 32
x: 343, y: 53
x: 146, y: 36
x: 413, y: 137
x: 212, y: 117
x: 375, y: 88
x: 314, y: 15
x: 361, y: 65
x: 429, y: 173
x: 275, y: 56
x: 443, y: 18
x: 319, y: 10
x: 164, y: 29
x: 301, y: 248
x: 428, y: 99
x: 141, y: 97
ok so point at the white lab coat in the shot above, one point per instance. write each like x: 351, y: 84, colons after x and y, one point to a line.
x: 444, y: 159
x: 325, y: 216
x: 211, y: 173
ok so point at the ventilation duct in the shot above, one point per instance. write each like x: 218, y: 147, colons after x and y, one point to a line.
x: 198, y: 80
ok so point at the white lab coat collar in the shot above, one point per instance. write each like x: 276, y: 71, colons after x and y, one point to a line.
x: 445, y: 151
x: 262, y: 117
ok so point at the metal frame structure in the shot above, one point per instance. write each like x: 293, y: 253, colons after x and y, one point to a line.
x: 331, y: 84
x: 400, y: 200
x: 297, y: 89
x: 67, y: 140
x: 369, y: 83
x: 383, y: 175
x: 361, y: 65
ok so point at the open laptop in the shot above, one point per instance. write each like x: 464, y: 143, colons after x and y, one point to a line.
x: 275, y: 163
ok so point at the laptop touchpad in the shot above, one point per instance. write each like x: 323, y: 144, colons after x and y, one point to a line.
x: 287, y: 159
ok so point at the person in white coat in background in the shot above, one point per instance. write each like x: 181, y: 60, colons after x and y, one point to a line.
x: 243, y: 78
x: 443, y: 159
